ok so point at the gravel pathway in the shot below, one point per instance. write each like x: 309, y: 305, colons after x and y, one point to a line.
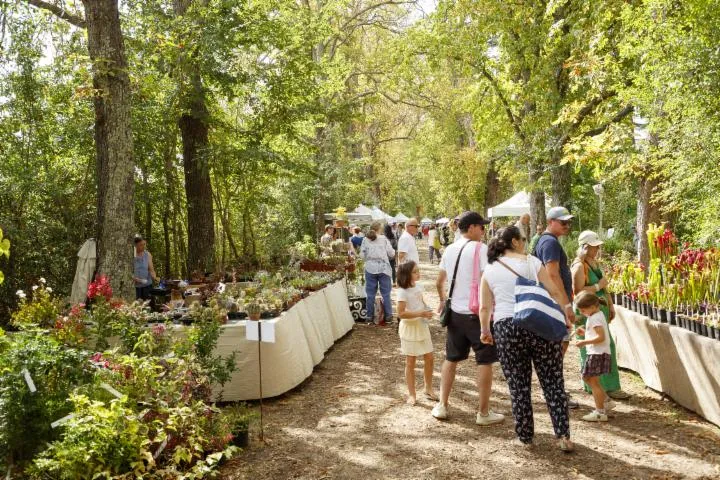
x: 349, y: 421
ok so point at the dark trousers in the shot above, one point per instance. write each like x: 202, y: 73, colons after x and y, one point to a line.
x: 392, y: 267
x: 143, y: 293
x: 519, y: 350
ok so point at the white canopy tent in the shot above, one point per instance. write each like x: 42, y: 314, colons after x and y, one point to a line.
x: 400, y: 218
x: 378, y: 214
x: 426, y: 221
x: 363, y: 210
x: 442, y: 221
x: 515, y: 206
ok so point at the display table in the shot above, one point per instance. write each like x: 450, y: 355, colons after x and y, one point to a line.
x: 673, y: 360
x: 302, y: 336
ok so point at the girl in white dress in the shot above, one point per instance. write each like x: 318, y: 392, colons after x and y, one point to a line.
x: 414, y: 331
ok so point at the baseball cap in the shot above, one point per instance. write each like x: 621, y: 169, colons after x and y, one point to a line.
x: 559, y: 213
x: 471, y: 218
x: 588, y: 237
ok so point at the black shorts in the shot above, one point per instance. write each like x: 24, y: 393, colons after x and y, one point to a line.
x: 463, y: 332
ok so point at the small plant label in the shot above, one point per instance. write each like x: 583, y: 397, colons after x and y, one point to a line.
x: 161, y: 447
x: 252, y: 330
x: 64, y: 419
x: 267, y: 329
x: 29, y: 380
x: 112, y: 391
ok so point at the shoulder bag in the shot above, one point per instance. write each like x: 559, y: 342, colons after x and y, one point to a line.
x: 447, y: 311
x: 535, y: 310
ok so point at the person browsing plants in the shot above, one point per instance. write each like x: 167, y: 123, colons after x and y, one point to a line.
x: 553, y: 257
x: 462, y: 267
x: 597, y: 361
x: 144, y: 271
x: 588, y: 277
x: 519, y: 349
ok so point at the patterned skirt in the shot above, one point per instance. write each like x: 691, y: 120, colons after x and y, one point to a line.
x: 596, y: 365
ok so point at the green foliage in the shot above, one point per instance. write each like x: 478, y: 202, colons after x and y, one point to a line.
x: 100, y: 441
x: 41, y: 311
x: 201, y: 341
x: 4, y: 251
x: 25, y: 417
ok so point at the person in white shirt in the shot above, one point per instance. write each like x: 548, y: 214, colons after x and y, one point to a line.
x: 463, y: 329
x: 597, y: 361
x: 520, y: 349
x: 407, y: 249
x: 377, y: 252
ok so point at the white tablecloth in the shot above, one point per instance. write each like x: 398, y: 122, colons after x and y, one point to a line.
x: 670, y: 359
x: 302, y: 336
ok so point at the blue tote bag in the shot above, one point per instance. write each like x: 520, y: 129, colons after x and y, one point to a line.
x: 535, y: 310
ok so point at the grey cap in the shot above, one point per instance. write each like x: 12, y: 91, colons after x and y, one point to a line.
x: 559, y: 213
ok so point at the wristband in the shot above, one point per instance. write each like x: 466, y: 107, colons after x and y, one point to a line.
x: 568, y: 305
x: 597, y: 287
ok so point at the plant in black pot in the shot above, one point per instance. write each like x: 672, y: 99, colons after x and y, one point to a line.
x: 240, y: 416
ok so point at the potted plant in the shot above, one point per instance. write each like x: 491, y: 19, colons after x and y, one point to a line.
x: 340, y: 217
x: 254, y: 310
x: 239, y: 417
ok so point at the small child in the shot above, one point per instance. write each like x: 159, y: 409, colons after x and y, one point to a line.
x: 414, y: 332
x: 597, y: 362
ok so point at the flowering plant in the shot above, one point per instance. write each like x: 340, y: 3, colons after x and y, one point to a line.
x: 100, y: 288
x: 40, y: 311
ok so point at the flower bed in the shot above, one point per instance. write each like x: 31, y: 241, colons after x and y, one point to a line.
x: 72, y: 408
x: 681, y: 287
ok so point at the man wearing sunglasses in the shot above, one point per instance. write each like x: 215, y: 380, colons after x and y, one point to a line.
x: 552, y: 255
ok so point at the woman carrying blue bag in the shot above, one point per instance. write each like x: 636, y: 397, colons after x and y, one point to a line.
x: 520, y: 348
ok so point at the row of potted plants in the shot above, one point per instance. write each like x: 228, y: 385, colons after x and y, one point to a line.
x: 681, y: 285
x: 703, y: 323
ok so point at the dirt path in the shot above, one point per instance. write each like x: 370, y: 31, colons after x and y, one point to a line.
x: 349, y: 421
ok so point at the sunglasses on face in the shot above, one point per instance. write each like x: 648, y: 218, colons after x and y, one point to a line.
x: 565, y: 223
x: 412, y: 225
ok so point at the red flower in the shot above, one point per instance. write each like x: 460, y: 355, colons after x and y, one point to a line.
x: 100, y: 287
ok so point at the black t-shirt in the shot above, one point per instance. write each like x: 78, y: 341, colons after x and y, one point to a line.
x: 548, y: 249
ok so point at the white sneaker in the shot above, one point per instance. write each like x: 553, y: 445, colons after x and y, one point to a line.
x: 609, y: 404
x: 595, y: 416
x: 440, y: 411
x: 490, y: 419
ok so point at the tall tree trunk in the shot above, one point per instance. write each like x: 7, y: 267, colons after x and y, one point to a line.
x: 492, y: 186
x: 537, y: 197
x: 113, y: 145
x: 194, y: 128
x: 561, y: 177
x: 647, y: 212
x: 198, y: 189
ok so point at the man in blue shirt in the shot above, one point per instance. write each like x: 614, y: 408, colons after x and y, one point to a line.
x: 552, y: 255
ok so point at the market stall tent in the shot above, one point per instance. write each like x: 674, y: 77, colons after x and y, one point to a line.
x: 401, y: 218
x: 515, y: 206
x: 363, y: 210
x: 426, y: 221
x: 378, y: 214
x: 442, y: 221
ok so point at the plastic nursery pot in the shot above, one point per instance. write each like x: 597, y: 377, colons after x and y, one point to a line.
x: 662, y: 315
x: 624, y: 300
x: 704, y: 330
x: 254, y: 316
x: 672, y: 317
x: 241, y: 438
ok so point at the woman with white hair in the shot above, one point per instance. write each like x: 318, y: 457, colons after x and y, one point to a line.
x: 588, y: 277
